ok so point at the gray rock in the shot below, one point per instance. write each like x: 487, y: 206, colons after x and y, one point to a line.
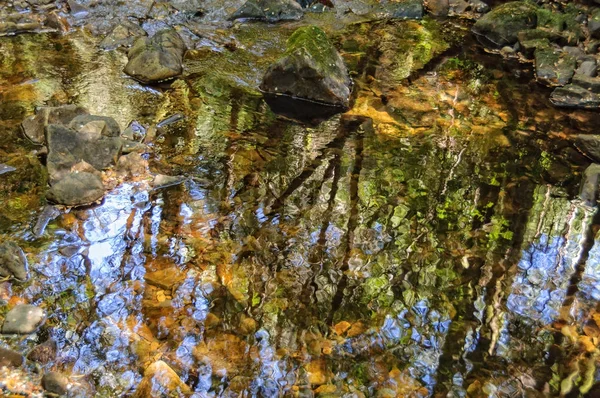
x: 588, y: 191
x: 13, y: 262
x: 157, y: 59
x: 594, y: 24
x: 554, y: 67
x: 67, y: 147
x: 405, y: 9
x: 574, y: 96
x: 112, y: 128
x: 23, y: 319
x: 56, y: 383
x: 122, y: 35
x: 10, y: 358
x: 269, y: 10
x: 312, y: 70
x: 76, y: 189
x: 500, y: 27
x: 34, y: 126
x: 591, y: 84
x: 587, y: 68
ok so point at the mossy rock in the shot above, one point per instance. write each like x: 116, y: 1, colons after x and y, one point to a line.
x: 311, y: 69
x: 500, y: 27
x: 554, y: 67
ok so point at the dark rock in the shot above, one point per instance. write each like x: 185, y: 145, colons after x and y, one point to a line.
x: 591, y: 84
x: 13, y: 262
x: 23, y: 319
x: 573, y: 96
x: 311, y: 76
x: 44, y: 353
x: 589, y: 145
x: 107, y: 125
x: 499, y: 27
x: 269, y: 10
x: 587, y: 68
x: 594, y: 24
x: 10, y: 358
x: 56, y: 383
x: 67, y: 147
x: 34, y: 126
x: 48, y: 214
x: 588, y: 191
x: 528, y: 47
x: 122, y: 35
x: 575, y: 52
x: 554, y: 67
x: 76, y: 189
x: 467, y: 7
x: 157, y: 59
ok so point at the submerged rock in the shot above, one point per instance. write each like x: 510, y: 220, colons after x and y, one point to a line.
x: 160, y: 380
x: 310, y: 80
x: 76, y: 189
x: 156, y: 59
x: 554, y: 67
x: 56, y: 383
x: 13, y: 262
x: 404, y: 9
x: 67, y: 147
x: 10, y: 358
x: 500, y: 27
x: 23, y: 319
x: 588, y: 191
x: 269, y: 10
x: 34, y: 126
x: 122, y: 35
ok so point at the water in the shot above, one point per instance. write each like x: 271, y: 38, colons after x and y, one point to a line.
x: 428, y: 242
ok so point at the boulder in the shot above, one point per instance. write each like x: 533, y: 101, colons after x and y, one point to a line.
x: 76, y: 189
x: 554, y: 67
x: 34, y: 126
x: 13, y: 262
x: 500, y: 27
x: 269, y: 10
x: 23, y: 319
x: 312, y: 72
x: 156, y: 59
x: 67, y: 147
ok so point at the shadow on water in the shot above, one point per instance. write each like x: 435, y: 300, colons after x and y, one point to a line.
x: 427, y: 244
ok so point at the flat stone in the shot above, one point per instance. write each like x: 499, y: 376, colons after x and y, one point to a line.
x: 76, y: 189
x: 269, y: 10
x: 23, y: 319
x: 34, y: 126
x: 157, y: 59
x: 592, y: 84
x: 554, y: 67
x: 10, y: 358
x: 111, y: 129
x: 13, y: 262
x: 574, y: 96
x: 67, y: 147
x: 56, y: 383
x: 403, y: 9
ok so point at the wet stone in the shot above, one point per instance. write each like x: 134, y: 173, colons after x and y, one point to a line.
x: 23, y: 319
x: 574, y: 96
x: 34, y: 126
x: 311, y: 70
x: 157, y: 59
x: 587, y: 68
x: 76, y: 189
x: 592, y: 84
x: 554, y: 67
x: 13, y: 262
x: 10, y: 358
x: 56, y: 383
x: 406, y: 9
x: 589, y: 145
x: 160, y: 380
x: 500, y: 26
x: 269, y: 10
x: 43, y: 353
x: 108, y: 126
x: 122, y: 35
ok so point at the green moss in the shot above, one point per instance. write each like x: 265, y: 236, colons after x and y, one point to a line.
x: 552, y: 20
x: 314, y: 41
